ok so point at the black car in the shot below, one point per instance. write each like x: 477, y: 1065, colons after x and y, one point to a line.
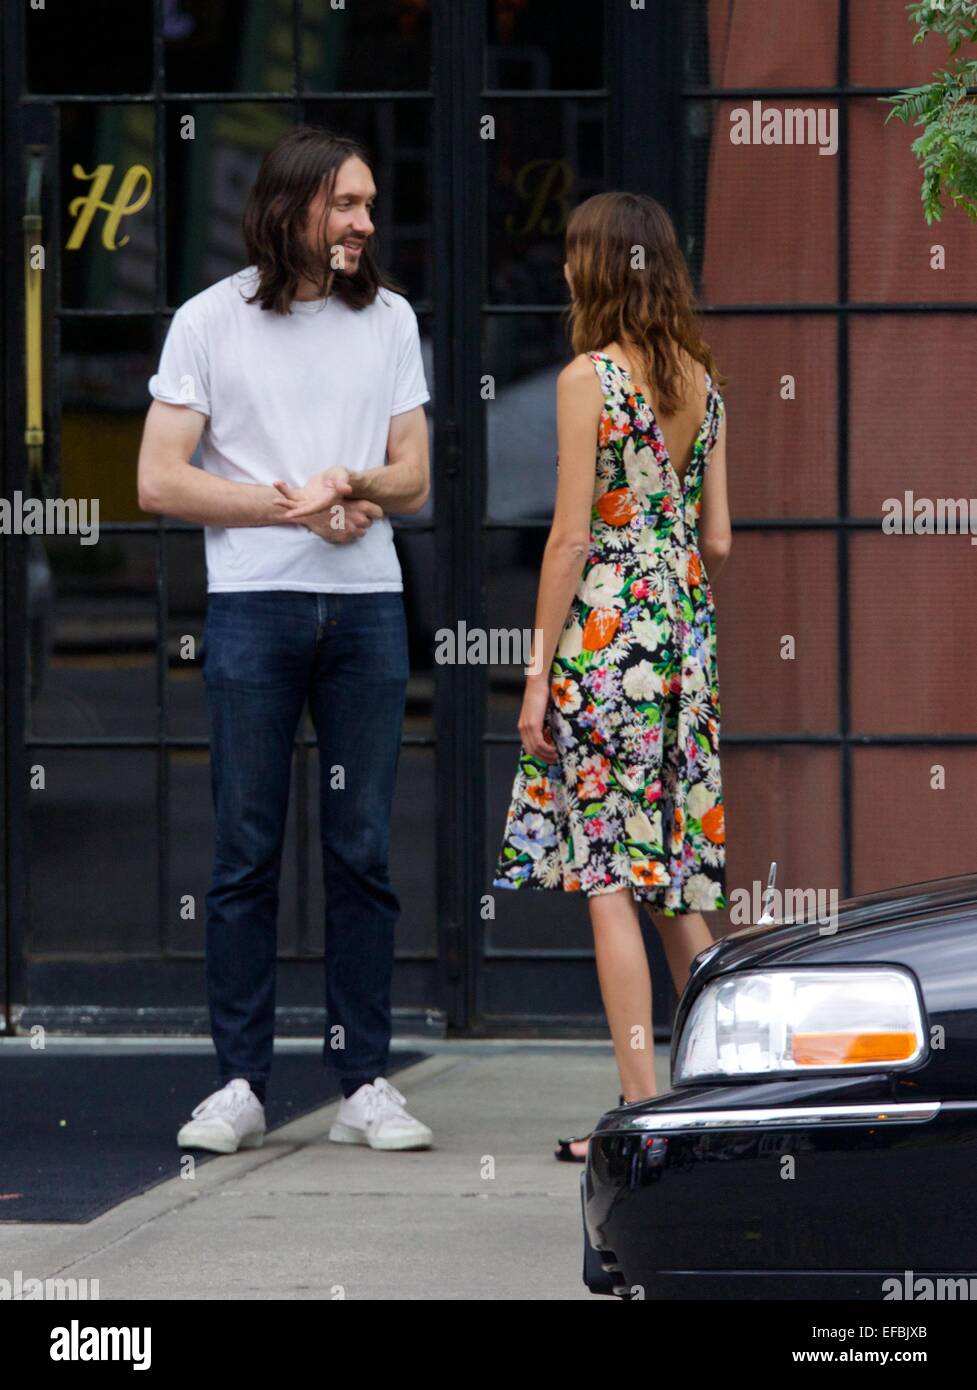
x: 819, y: 1139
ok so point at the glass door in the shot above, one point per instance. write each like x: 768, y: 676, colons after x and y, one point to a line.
x: 131, y: 145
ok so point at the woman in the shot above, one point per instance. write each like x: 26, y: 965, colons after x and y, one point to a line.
x: 618, y: 785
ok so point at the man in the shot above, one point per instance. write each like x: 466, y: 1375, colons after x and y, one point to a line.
x: 302, y: 380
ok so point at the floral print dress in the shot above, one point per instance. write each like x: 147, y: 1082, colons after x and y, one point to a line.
x: 635, y: 798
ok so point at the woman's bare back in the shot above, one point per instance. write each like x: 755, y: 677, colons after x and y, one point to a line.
x: 681, y: 430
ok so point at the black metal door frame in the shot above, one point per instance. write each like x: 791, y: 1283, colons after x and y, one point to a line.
x: 5, y: 290
x: 28, y: 119
x: 641, y: 95
x: 13, y: 571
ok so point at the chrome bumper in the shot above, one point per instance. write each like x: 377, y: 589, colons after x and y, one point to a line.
x: 747, y: 1117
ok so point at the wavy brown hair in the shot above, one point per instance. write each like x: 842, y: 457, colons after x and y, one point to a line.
x: 651, y: 310
x: 291, y: 174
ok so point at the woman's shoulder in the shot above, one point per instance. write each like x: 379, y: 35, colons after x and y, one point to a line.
x: 580, y: 372
x: 581, y: 367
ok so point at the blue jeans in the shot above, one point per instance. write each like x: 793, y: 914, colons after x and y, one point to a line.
x: 265, y: 654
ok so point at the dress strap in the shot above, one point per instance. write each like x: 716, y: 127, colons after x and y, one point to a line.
x: 605, y: 371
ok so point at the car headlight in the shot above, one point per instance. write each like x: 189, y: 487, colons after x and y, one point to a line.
x: 801, y: 1021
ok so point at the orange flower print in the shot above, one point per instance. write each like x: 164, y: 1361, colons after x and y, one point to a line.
x: 600, y: 627
x: 618, y: 507
x: 538, y: 792
x: 714, y: 825
x: 592, y: 777
x: 566, y: 694
x: 695, y: 569
x: 649, y: 874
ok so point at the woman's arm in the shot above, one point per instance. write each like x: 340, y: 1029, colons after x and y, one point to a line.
x: 579, y: 401
x: 715, y: 529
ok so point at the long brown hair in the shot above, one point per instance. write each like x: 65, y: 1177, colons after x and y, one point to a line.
x: 291, y: 174
x: 649, y: 309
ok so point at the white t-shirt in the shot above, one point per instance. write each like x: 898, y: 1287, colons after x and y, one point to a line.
x: 287, y: 396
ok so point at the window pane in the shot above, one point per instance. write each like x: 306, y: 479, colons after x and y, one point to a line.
x: 761, y: 43
x: 784, y: 804
x: 913, y: 663
x: 545, y: 158
x: 229, y: 46
x: 186, y: 587
x: 190, y: 849
x: 763, y: 223
x: 107, y: 155
x: 911, y: 375
x: 777, y: 586
x: 105, y: 365
x: 530, y: 45
x: 372, y: 45
x: 93, y: 853
x: 92, y: 626
x: 415, y: 550
x: 208, y: 178
x: 888, y: 848
x: 70, y: 49
x: 890, y: 246
x: 881, y: 52
x: 512, y: 564
x: 524, y: 354
x: 791, y: 445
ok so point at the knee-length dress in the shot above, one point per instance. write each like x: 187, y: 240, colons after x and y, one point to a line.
x: 635, y: 798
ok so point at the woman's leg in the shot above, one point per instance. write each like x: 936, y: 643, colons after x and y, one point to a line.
x: 625, y: 982
x: 683, y: 937
x: 625, y: 987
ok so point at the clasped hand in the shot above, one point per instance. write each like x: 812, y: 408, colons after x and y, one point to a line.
x: 320, y: 506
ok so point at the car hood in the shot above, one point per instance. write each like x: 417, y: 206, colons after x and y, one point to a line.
x: 755, y: 946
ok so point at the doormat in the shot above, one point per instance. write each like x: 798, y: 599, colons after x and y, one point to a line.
x: 82, y: 1133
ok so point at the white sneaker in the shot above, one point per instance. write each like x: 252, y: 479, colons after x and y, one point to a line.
x: 375, y: 1115
x: 230, y: 1119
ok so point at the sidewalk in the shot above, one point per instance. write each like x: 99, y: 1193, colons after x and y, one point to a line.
x: 302, y: 1218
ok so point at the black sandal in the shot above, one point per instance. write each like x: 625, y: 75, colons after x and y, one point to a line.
x: 564, y: 1154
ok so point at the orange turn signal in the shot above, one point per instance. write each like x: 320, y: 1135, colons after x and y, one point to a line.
x: 838, y: 1049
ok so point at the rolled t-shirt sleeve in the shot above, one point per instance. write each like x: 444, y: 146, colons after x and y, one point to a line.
x: 410, y: 388
x: 183, y: 377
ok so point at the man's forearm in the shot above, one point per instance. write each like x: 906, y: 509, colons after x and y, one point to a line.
x: 191, y: 494
x: 397, y: 487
